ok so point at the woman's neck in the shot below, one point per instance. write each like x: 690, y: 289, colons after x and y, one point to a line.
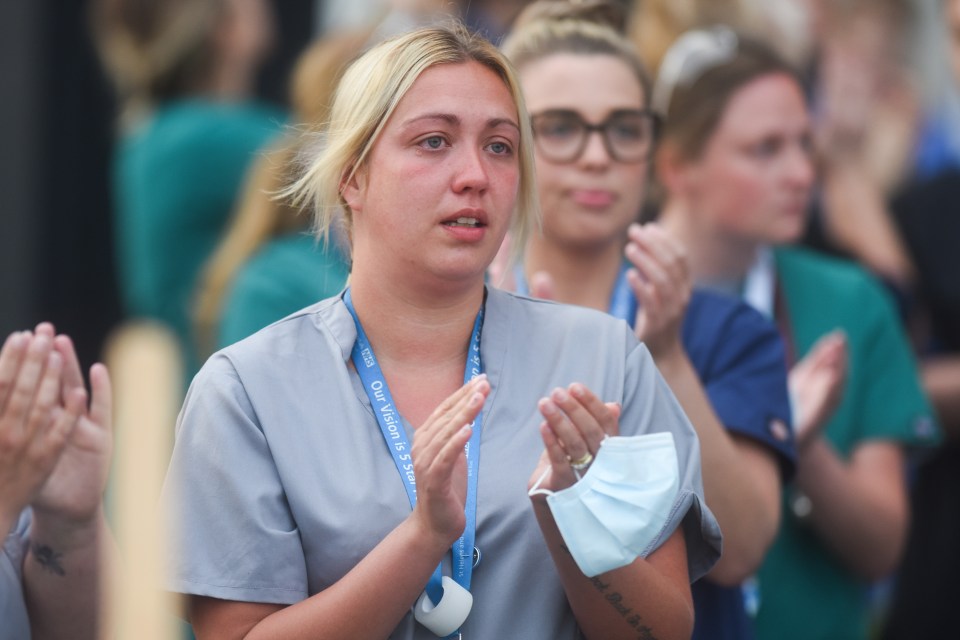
x: 409, y: 328
x: 714, y: 256
x: 581, y: 277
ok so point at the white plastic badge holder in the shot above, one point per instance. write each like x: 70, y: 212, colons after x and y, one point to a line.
x: 448, y: 616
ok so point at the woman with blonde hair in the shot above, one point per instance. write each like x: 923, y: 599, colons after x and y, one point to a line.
x: 376, y: 465
x: 722, y: 359
x: 184, y: 71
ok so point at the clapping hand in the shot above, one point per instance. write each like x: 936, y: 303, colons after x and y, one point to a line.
x: 34, y: 425
x: 74, y: 491
x: 575, y: 423
x: 440, y: 464
x: 661, y: 281
x: 816, y: 386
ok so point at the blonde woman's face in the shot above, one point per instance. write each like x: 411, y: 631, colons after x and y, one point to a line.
x: 437, y: 192
x: 754, y: 178
x: 590, y: 201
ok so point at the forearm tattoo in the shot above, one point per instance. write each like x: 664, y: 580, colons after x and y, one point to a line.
x: 48, y: 559
x: 615, y: 600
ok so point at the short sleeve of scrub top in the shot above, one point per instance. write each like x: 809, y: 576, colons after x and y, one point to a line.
x: 894, y: 405
x: 282, y: 482
x: 739, y: 356
x: 14, y: 621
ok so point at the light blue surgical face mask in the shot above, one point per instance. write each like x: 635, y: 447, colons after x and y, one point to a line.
x: 618, y: 509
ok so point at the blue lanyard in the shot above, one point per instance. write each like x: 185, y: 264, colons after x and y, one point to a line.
x: 396, y: 438
x: 623, y: 304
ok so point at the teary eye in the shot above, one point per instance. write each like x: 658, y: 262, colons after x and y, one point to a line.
x: 500, y: 148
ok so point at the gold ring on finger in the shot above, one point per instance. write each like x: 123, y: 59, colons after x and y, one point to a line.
x: 582, y: 462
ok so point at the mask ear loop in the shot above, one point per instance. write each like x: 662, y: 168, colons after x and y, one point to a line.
x: 536, y: 490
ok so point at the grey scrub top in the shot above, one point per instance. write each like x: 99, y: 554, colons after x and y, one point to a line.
x: 282, y: 481
x: 14, y: 622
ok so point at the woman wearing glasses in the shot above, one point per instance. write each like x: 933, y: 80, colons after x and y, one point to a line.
x: 587, y: 95
x: 737, y: 167
x: 375, y: 465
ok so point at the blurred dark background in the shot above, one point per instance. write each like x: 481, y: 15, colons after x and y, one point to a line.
x: 56, y: 124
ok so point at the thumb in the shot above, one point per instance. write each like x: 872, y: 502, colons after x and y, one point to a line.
x: 101, y: 404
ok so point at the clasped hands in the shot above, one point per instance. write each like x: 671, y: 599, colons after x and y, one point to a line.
x: 575, y: 422
x: 54, y: 451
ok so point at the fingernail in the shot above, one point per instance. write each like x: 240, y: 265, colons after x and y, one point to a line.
x: 548, y: 408
x: 560, y: 395
x: 576, y: 390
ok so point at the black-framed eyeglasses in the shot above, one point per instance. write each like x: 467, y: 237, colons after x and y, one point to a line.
x: 629, y: 135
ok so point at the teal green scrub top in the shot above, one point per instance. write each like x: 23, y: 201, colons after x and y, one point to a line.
x: 177, y: 175
x: 805, y: 591
x: 287, y: 274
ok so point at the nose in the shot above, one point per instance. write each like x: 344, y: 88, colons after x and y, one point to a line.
x: 470, y: 171
x: 595, y: 154
x: 799, y: 170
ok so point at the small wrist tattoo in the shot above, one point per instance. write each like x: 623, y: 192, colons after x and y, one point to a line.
x: 48, y: 559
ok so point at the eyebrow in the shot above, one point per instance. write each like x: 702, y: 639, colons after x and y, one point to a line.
x: 454, y: 120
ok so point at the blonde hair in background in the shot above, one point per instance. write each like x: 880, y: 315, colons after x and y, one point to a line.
x: 155, y: 50
x: 368, y: 94
x: 655, y: 25
x: 260, y: 216
x: 586, y: 27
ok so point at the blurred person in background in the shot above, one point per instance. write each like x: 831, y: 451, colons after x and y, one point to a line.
x: 789, y: 25
x: 939, y: 148
x: 54, y: 461
x: 268, y: 264
x: 855, y: 63
x: 724, y: 361
x: 189, y: 128
x: 867, y: 117
x: 736, y: 166
x: 927, y: 214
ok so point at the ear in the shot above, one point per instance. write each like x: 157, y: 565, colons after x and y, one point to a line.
x: 353, y: 188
